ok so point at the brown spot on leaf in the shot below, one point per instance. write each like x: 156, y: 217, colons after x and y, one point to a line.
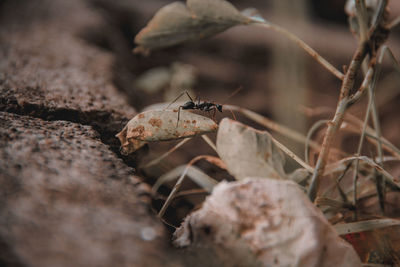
x: 137, y: 132
x: 193, y: 121
x: 155, y: 122
x: 141, y: 116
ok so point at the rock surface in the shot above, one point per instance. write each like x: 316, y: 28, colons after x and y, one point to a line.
x: 264, y: 222
x: 48, y: 71
x: 66, y: 199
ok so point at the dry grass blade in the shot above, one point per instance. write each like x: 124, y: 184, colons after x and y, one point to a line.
x: 333, y: 203
x: 194, y: 173
x: 254, y: 153
x: 211, y: 159
x: 302, y: 45
x: 209, y: 142
x: 290, y: 154
x: 388, y: 177
x: 161, y: 125
x: 292, y: 134
x: 166, y: 154
x: 313, y: 128
x: 362, y: 226
x: 177, y: 23
x: 394, y: 22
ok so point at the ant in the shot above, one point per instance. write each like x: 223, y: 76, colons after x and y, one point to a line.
x: 203, y: 106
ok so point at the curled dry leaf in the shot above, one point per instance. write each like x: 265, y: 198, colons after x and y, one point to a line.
x: 263, y: 222
x: 177, y: 23
x: 248, y: 152
x: 161, y: 125
x: 128, y: 146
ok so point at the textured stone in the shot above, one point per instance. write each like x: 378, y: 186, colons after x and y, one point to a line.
x: 67, y: 200
x: 47, y: 70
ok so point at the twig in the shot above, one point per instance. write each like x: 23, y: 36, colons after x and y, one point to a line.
x: 362, y: 19
x: 337, y: 120
x: 303, y: 45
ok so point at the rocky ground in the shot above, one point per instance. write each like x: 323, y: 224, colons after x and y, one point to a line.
x: 67, y: 198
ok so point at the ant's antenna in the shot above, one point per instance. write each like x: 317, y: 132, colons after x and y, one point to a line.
x: 178, y: 98
x: 232, y: 94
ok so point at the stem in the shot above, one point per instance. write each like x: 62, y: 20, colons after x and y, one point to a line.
x: 337, y: 120
x: 362, y: 19
x: 360, y: 144
x: 303, y: 45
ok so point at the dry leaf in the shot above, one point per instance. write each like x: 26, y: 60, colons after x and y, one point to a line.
x: 128, y: 146
x: 177, y: 23
x: 161, y: 125
x: 248, y: 152
x: 264, y: 222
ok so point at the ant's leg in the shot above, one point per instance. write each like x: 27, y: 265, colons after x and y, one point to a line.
x: 188, y: 95
x: 233, y: 114
x: 179, y: 112
x: 213, y: 116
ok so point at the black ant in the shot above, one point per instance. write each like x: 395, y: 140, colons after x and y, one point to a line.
x: 203, y: 106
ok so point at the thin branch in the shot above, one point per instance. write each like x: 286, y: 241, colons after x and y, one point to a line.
x: 337, y: 120
x: 313, y: 128
x: 303, y: 45
x: 362, y: 19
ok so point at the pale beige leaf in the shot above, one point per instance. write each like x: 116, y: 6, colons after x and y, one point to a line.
x: 248, y: 152
x: 161, y: 125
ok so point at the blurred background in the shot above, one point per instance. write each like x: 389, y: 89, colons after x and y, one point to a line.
x: 278, y: 79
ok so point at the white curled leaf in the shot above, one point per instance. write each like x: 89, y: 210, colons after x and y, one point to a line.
x: 248, y: 152
x: 161, y: 125
x: 177, y: 23
x: 194, y: 173
x: 263, y: 222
